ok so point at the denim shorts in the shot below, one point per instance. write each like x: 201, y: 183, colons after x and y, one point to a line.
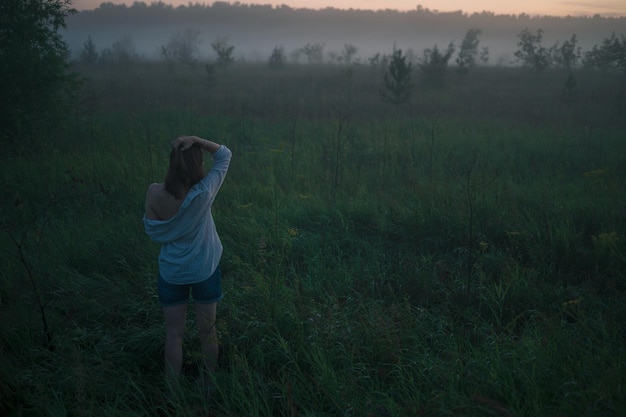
x: 204, y: 292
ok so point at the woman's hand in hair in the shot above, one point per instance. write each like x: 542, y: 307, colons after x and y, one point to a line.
x: 184, y: 142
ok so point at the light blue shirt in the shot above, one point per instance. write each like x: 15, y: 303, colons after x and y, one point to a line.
x: 190, y: 246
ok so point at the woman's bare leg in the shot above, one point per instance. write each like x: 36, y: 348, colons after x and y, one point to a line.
x: 205, y: 319
x: 174, y: 334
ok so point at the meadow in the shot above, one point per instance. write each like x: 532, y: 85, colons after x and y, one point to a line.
x: 462, y: 254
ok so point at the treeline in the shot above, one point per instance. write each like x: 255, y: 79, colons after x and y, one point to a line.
x: 184, y: 47
x: 254, y: 14
x: 257, y: 29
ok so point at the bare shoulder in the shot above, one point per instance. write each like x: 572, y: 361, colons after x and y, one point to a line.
x: 154, y: 191
x: 155, y: 188
x: 153, y: 196
x: 160, y: 205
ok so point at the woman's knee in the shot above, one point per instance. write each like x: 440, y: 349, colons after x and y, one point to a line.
x: 174, y: 333
x: 175, y: 322
x: 205, y: 314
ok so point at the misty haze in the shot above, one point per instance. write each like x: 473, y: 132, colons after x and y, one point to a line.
x: 254, y: 30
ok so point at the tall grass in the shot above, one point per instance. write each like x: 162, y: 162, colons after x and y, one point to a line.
x: 352, y: 285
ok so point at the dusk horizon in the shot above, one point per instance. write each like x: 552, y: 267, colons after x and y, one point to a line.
x: 532, y: 7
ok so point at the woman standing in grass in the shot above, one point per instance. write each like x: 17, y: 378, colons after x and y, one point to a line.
x: 178, y: 217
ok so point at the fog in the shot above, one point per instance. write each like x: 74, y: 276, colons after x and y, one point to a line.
x: 255, y: 30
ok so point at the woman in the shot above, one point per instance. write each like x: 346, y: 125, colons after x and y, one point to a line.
x: 178, y: 217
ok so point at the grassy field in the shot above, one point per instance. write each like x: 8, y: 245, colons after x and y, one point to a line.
x: 462, y: 255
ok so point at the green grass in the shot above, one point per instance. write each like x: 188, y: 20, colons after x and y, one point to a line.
x: 348, y: 250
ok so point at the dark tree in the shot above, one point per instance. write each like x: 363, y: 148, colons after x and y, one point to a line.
x: 434, y: 65
x: 89, y: 54
x: 397, y: 78
x: 314, y: 52
x: 468, y: 51
x: 122, y: 52
x: 567, y: 54
x: 531, y: 53
x: 224, y: 51
x: 34, y: 63
x: 348, y: 53
x: 484, y: 55
x: 182, y: 47
x: 611, y: 54
x: 277, y: 59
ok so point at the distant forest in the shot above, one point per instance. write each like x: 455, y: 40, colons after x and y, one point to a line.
x: 254, y: 30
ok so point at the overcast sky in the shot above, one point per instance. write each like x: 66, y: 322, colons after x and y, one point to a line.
x: 531, y: 7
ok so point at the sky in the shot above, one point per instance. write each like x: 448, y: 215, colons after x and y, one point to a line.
x: 531, y: 7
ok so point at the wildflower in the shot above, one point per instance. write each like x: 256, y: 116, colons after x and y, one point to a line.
x: 596, y: 173
x: 572, y: 303
x: 605, y: 239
